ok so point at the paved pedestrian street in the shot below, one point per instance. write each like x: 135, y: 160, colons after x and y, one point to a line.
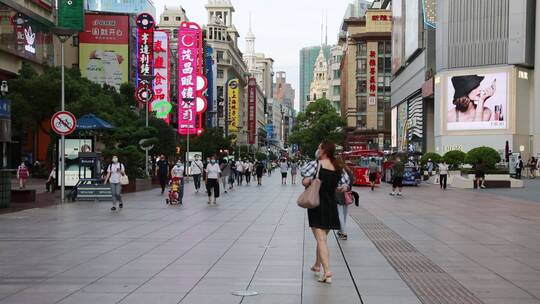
x: 426, y: 247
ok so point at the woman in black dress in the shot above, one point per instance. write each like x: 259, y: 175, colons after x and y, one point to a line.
x: 325, y: 217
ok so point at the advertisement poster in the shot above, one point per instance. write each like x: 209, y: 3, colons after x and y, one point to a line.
x: 401, y: 126
x: 161, y: 105
x: 477, y: 102
x: 397, y: 35
x: 73, y: 147
x: 412, y: 27
x: 233, y: 103
x: 103, y: 49
x: 252, y: 110
x: 188, y: 52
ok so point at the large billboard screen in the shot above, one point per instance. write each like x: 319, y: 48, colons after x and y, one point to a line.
x: 412, y: 27
x: 103, y: 49
x: 397, y: 35
x: 477, y: 101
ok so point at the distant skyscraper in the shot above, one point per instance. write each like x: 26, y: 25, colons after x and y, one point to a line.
x: 124, y: 6
x: 308, y: 56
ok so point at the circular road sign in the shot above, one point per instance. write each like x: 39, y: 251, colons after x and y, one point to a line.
x: 144, y: 93
x: 145, y: 21
x: 63, y: 123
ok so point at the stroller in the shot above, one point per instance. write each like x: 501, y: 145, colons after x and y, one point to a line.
x: 175, y: 189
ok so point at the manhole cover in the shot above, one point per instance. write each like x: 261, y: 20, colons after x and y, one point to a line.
x: 245, y: 293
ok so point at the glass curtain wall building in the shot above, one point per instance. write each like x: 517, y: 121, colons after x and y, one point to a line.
x: 122, y: 6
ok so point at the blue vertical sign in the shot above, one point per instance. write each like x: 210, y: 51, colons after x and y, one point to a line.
x: 269, y: 131
x: 208, y: 62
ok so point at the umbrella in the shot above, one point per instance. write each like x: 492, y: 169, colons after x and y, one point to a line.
x: 92, y: 122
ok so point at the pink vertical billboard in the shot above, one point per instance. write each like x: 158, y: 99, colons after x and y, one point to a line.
x: 161, y: 105
x: 252, y: 110
x: 191, y: 82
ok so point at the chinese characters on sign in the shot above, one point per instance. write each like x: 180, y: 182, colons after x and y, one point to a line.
x: 233, y: 104
x: 145, y: 57
x: 188, y: 52
x: 252, y: 101
x: 381, y: 18
x: 372, y: 77
x: 161, y: 103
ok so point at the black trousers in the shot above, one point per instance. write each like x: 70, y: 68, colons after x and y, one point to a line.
x: 212, y: 184
x: 248, y: 177
x: 443, y: 178
x: 197, y: 181
x: 518, y: 173
x: 51, y: 185
x: 163, y: 182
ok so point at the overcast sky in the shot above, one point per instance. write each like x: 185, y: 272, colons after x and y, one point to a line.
x: 282, y: 27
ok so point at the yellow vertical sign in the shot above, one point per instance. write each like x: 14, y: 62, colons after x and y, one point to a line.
x: 233, y: 104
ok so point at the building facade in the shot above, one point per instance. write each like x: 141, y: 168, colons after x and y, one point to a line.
x: 222, y: 36
x: 284, y: 95
x: 365, y: 79
x: 319, y: 85
x: 487, y: 67
x: 334, y: 76
x: 308, y: 56
x: 124, y: 6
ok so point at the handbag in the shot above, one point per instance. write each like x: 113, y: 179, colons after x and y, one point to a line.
x: 349, y: 199
x: 124, y: 179
x: 310, y: 199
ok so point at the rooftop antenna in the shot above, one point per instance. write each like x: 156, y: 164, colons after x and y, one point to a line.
x: 250, y: 22
x: 322, y: 25
x: 326, y: 36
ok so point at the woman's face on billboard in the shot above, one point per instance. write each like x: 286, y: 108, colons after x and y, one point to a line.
x: 474, y: 94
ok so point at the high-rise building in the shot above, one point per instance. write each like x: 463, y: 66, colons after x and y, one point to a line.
x: 124, y: 6
x: 222, y: 36
x: 365, y: 79
x: 308, y: 56
x: 284, y: 95
x: 488, y: 67
x: 319, y: 85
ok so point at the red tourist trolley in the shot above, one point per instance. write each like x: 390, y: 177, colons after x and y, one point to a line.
x: 358, y: 161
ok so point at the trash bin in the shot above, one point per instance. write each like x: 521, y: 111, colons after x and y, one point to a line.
x: 5, y: 188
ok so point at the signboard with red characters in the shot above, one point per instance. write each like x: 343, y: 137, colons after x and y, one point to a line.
x: 252, y: 110
x: 161, y: 102
x: 191, y: 82
x: 372, y: 84
x: 145, y: 55
x: 381, y: 18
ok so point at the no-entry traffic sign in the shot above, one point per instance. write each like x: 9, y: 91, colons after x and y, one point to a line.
x: 63, y: 123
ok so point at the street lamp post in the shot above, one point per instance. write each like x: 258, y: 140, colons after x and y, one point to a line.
x: 63, y: 35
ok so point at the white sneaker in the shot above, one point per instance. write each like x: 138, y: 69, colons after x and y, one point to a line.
x: 392, y: 193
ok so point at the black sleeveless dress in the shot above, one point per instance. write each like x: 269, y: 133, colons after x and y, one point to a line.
x: 326, y: 215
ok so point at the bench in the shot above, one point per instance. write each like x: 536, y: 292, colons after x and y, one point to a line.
x: 23, y: 195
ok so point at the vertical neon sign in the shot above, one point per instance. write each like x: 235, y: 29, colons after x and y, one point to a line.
x: 161, y: 104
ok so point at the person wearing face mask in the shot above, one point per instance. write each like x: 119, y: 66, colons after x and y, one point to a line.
x: 196, y: 171
x: 325, y: 217
x: 114, y: 172
x: 213, y: 173
x: 177, y: 172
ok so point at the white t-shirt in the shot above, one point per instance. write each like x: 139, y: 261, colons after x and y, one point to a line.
x: 53, y: 173
x: 115, y: 175
x: 196, y: 167
x: 239, y: 166
x: 213, y: 171
x: 284, y: 167
x: 443, y: 169
x: 177, y: 171
x: 250, y: 167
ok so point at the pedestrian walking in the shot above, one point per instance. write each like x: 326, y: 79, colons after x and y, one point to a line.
x: 22, y: 175
x: 532, y: 163
x: 177, y: 172
x: 259, y: 171
x: 325, y: 217
x: 51, y: 181
x: 196, y: 172
x: 430, y: 166
x: 344, y: 199
x: 225, y: 168
x: 162, y: 172
x: 373, y: 169
x: 480, y: 175
x: 284, y: 168
x: 294, y: 171
x: 519, y: 167
x: 212, y: 180
x: 443, y: 175
x: 398, y: 169
x: 269, y: 168
x: 239, y: 166
x: 115, y: 171
x: 248, y: 171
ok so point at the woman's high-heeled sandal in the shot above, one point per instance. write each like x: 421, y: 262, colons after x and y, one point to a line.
x: 325, y: 279
x: 315, y: 269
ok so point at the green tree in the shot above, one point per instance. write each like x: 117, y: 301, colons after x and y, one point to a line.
x: 209, y: 142
x: 454, y: 158
x: 489, y: 156
x: 319, y: 122
x: 435, y: 157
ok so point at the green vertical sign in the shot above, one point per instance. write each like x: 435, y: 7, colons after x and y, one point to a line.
x: 71, y: 14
